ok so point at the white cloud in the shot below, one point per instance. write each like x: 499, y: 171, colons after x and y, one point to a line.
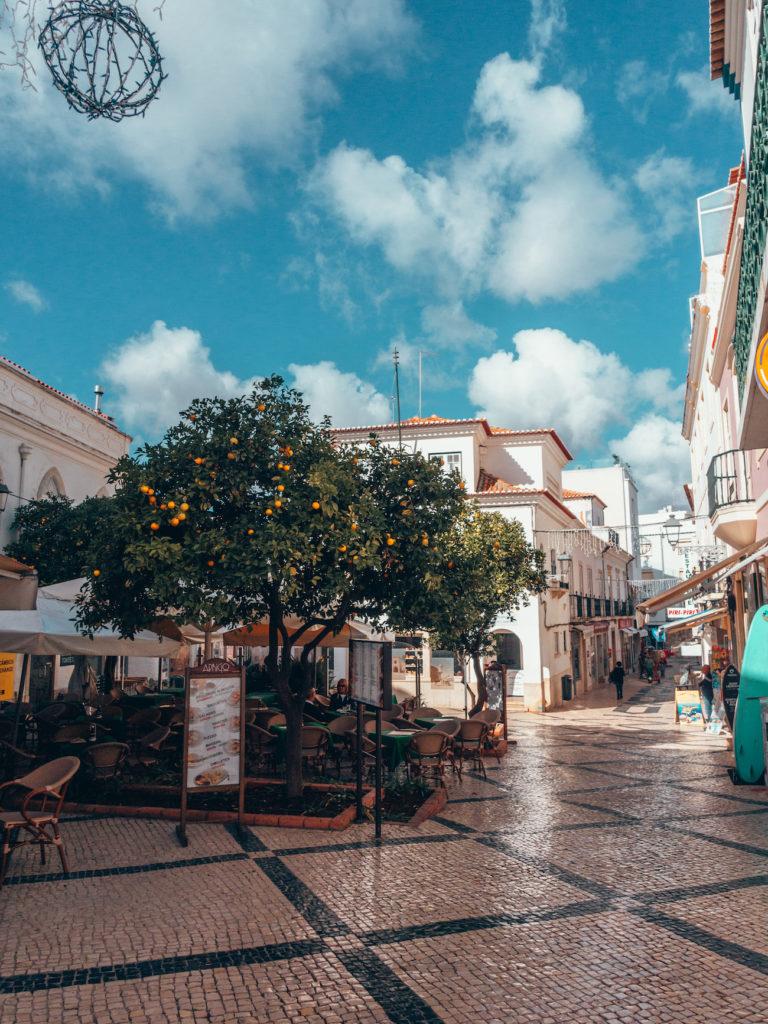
x: 669, y: 183
x: 660, y: 460
x: 244, y: 78
x: 449, y: 326
x: 656, y: 387
x: 550, y: 380
x: 26, y: 293
x: 156, y: 375
x: 638, y: 86
x: 520, y: 209
x: 706, y: 96
x: 548, y: 18
x: 347, y: 399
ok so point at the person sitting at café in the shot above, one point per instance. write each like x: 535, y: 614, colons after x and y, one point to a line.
x: 342, y: 699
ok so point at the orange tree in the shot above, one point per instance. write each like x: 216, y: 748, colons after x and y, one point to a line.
x: 245, y: 510
x: 489, y: 570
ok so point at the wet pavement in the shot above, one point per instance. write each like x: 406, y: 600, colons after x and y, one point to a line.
x: 606, y: 871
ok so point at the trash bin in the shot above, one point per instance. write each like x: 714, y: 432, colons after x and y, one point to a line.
x: 567, y: 685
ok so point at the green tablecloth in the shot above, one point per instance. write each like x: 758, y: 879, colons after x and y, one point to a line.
x: 394, y: 744
x: 267, y: 697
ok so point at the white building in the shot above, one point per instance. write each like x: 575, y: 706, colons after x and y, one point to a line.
x: 618, y: 491
x: 571, y: 633
x: 676, y: 558
x: 50, y: 443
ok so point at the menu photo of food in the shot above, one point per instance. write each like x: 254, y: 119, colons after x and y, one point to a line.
x: 213, y: 739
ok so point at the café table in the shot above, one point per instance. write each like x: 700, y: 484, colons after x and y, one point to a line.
x: 394, y: 743
x: 267, y: 697
x: 427, y: 723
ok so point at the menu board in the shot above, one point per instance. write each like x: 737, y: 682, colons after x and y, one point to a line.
x: 370, y: 672
x: 213, y: 732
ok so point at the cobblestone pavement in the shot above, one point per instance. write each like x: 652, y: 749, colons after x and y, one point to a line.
x: 607, y: 871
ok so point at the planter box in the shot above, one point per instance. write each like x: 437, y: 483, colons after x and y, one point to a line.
x: 434, y: 803
x: 340, y: 821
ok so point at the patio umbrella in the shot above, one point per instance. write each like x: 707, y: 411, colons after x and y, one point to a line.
x: 256, y: 634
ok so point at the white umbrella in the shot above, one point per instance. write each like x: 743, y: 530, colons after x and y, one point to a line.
x: 51, y: 629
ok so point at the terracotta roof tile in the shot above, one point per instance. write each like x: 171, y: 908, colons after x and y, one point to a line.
x: 570, y: 495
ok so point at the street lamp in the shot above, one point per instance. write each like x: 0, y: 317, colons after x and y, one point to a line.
x: 671, y: 530
x: 4, y: 492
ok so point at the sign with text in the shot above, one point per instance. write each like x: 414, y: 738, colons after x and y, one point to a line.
x: 370, y: 672
x: 7, y: 675
x: 214, y: 733
x: 730, y: 685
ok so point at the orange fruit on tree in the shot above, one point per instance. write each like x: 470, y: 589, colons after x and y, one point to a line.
x: 395, y: 462
x: 278, y: 503
x: 250, y: 531
x: 171, y: 504
x: 163, y: 506
x: 281, y: 487
x: 315, y: 505
x: 154, y: 526
x: 411, y: 483
x: 293, y: 570
x: 261, y: 407
x: 175, y: 521
x: 231, y: 456
x: 233, y: 440
x: 425, y: 542
x: 97, y: 572
x: 354, y: 526
x: 286, y: 467
x: 191, y: 417
x: 150, y: 491
x: 267, y: 511
x: 152, y: 499
x: 342, y: 547
x: 279, y: 465
x: 211, y: 563
x: 199, y: 461
x: 184, y: 506
x: 181, y: 516
x: 390, y: 541
x: 144, y: 489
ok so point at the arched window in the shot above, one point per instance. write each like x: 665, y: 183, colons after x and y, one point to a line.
x: 51, y: 485
x: 510, y: 650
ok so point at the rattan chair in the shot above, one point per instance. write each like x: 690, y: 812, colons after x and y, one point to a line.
x: 104, y: 762
x: 427, y: 713
x: 487, y: 716
x: 314, y: 747
x: 260, y: 749
x: 426, y: 756
x: 149, y: 749
x: 469, y: 744
x: 39, y: 810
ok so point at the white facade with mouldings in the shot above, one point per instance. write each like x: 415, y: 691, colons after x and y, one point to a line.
x: 50, y: 443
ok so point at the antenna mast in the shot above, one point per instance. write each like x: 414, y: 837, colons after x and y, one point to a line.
x: 396, y: 361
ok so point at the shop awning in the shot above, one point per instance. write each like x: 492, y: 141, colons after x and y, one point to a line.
x: 257, y: 635
x: 680, y: 590
x: 710, y: 615
x: 760, y: 553
x: 629, y: 630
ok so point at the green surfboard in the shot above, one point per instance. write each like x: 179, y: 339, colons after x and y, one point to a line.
x: 747, y: 726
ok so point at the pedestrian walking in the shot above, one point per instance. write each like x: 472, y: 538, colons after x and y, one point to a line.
x: 617, y: 678
x: 663, y: 666
x: 706, y: 692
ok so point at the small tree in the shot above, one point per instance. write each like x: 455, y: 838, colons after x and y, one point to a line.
x: 490, y: 570
x: 246, y: 509
x: 55, y: 534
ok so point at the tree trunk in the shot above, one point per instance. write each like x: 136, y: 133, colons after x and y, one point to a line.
x: 294, y: 717
x: 207, y: 645
x: 482, y: 692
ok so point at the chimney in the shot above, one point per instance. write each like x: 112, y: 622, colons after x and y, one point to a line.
x: 98, y: 393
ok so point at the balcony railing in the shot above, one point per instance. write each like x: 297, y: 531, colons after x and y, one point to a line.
x: 583, y: 607
x: 756, y: 215
x: 728, y: 480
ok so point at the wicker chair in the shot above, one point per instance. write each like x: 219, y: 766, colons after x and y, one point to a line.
x: 470, y: 743
x: 427, y: 713
x: 368, y: 750
x: 143, y: 722
x: 314, y: 747
x: 39, y: 812
x: 488, y: 716
x: 426, y: 756
x: 104, y: 762
x: 338, y: 740
x: 260, y: 748
x: 149, y: 750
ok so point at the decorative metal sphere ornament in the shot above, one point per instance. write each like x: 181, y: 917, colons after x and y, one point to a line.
x: 103, y: 58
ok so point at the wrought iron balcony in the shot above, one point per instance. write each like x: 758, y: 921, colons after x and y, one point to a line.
x: 598, y: 607
x: 728, y: 480
x: 756, y: 215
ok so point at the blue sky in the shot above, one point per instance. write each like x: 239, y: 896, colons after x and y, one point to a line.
x: 508, y: 186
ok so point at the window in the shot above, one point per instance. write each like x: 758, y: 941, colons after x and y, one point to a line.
x: 450, y: 461
x: 510, y: 652
x: 565, y: 641
x: 552, y: 562
x: 589, y: 582
x: 581, y: 579
x: 557, y: 642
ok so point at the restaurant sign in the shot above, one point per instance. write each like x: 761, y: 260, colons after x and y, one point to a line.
x: 7, y: 675
x: 214, y: 735
x: 730, y: 684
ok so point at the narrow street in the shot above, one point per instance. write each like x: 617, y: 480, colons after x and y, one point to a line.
x: 607, y: 871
